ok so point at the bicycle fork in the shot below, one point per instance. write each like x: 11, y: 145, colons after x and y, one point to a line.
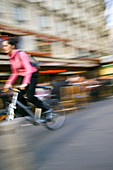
x: 11, y: 107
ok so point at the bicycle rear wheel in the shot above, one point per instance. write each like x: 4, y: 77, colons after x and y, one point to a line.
x: 59, y: 116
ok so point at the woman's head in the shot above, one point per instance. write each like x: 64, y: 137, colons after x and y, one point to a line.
x: 9, y: 45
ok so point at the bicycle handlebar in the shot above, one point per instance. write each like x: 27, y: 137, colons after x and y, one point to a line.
x: 16, y: 89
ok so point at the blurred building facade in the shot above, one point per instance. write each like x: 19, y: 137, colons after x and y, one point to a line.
x: 70, y: 33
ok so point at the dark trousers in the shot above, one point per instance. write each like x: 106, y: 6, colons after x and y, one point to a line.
x: 30, y: 91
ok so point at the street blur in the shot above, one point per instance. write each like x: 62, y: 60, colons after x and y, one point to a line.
x: 77, y: 92
x: 73, y: 93
x: 84, y: 142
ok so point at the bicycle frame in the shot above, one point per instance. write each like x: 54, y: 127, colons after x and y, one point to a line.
x: 14, y: 103
x: 56, y: 122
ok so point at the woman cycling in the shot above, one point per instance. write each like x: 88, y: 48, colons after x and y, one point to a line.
x: 20, y: 66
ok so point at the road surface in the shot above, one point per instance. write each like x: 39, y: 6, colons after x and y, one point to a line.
x: 85, y: 142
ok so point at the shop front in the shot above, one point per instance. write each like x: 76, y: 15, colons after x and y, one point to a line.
x: 43, y: 45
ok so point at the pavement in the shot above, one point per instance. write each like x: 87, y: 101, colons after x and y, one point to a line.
x: 85, y: 142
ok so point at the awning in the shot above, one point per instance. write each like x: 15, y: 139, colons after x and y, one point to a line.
x: 51, y: 61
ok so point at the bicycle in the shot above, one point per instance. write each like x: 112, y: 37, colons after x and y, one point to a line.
x: 9, y: 113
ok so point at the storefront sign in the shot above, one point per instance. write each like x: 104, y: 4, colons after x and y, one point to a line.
x: 105, y: 70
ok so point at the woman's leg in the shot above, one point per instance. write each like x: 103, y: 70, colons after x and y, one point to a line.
x: 30, y: 90
x: 21, y: 97
x: 21, y: 94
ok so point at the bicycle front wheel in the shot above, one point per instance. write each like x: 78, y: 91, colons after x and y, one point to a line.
x: 58, y: 118
x: 3, y: 114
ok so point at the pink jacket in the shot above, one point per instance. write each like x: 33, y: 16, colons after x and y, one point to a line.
x: 20, y: 65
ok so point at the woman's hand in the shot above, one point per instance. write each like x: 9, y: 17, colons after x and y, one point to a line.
x: 22, y: 86
x: 7, y: 86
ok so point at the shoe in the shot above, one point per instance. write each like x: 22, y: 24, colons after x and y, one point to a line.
x: 48, y: 114
x: 36, y: 121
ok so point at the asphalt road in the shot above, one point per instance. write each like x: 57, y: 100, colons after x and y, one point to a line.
x: 85, y: 142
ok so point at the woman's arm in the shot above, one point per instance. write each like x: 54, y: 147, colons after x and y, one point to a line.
x: 13, y: 75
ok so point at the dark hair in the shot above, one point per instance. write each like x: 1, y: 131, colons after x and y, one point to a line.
x: 12, y: 41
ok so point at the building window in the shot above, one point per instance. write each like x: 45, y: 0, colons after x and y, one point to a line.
x: 57, y: 4
x: 60, y: 27
x: 43, y: 22
x: 19, y: 14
